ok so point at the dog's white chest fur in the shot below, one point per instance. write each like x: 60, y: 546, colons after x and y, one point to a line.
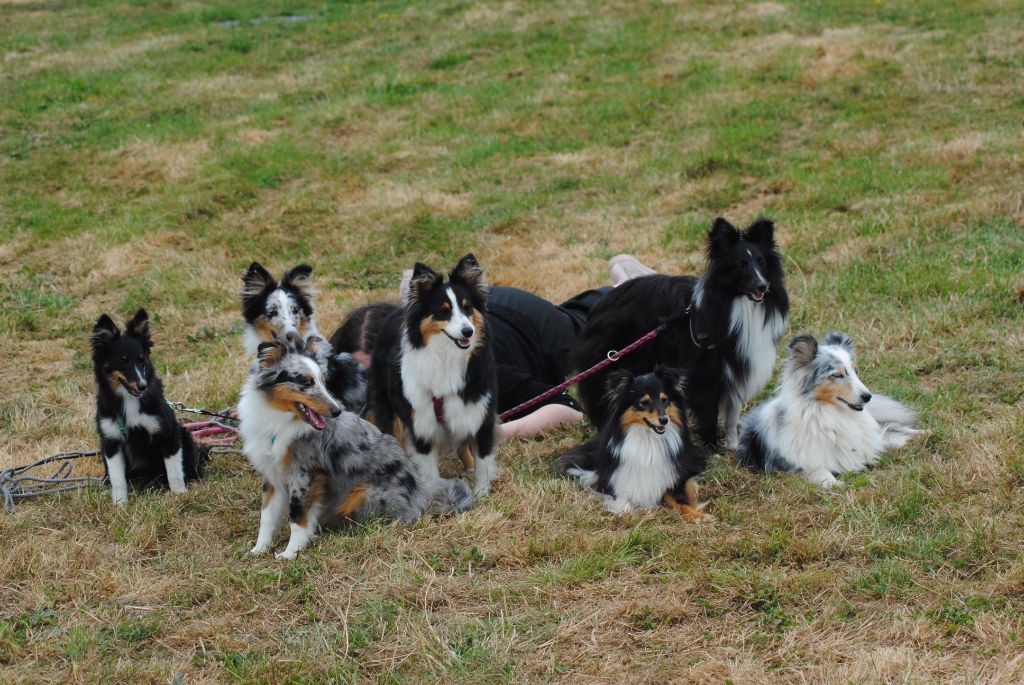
x: 815, y: 435
x: 439, y: 370
x: 266, y: 434
x: 134, y: 417
x: 756, y: 342
x: 646, y: 469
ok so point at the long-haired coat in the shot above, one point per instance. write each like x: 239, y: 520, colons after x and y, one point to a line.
x: 283, y: 311
x: 320, y: 463
x: 822, y: 420
x: 433, y: 381
x: 141, y: 440
x: 643, y: 457
x: 723, y: 328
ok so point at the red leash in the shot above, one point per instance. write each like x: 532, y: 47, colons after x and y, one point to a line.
x: 611, y: 358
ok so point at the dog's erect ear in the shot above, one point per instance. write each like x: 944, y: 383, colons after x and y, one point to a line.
x: 722, y: 237
x: 138, y: 327
x: 671, y: 378
x: 424, y: 279
x: 298, y: 279
x: 270, y: 354
x: 617, y: 385
x: 840, y: 340
x: 255, y: 281
x: 103, y: 333
x: 761, y: 232
x: 802, y: 349
x: 469, y: 271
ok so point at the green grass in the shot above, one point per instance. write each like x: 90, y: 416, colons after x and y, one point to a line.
x: 150, y: 150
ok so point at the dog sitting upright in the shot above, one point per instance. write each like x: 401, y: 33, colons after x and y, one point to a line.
x: 822, y: 420
x: 284, y: 311
x: 141, y: 440
x: 323, y: 464
x: 643, y: 457
x: 433, y: 380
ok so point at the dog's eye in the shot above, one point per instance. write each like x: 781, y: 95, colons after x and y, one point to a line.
x: 272, y: 313
x: 295, y: 310
x: 663, y: 398
x: 837, y: 376
x: 141, y: 359
x: 124, y: 358
x: 760, y: 261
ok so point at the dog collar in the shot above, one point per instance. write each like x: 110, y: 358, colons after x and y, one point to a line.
x: 438, y: 408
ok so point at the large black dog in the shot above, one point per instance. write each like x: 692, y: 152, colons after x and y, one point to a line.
x: 723, y: 328
x: 142, y: 441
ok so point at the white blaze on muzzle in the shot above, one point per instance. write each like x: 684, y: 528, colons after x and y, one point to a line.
x: 460, y: 327
x: 285, y: 321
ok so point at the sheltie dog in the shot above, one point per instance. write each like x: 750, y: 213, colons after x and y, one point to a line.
x: 722, y: 329
x: 433, y: 380
x: 643, y: 457
x: 822, y: 420
x: 284, y: 311
x: 323, y: 464
x: 141, y: 440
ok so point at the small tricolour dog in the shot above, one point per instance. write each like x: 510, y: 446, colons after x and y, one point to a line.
x: 822, y: 420
x: 722, y: 329
x: 141, y: 440
x: 643, y: 457
x: 433, y: 379
x: 284, y: 311
x: 322, y: 464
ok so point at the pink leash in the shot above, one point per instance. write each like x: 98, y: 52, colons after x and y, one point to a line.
x: 610, y: 358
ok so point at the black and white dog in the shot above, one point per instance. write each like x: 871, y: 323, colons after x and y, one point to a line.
x: 322, y: 464
x: 433, y: 380
x: 723, y: 328
x: 284, y: 311
x: 822, y: 420
x: 643, y: 457
x: 141, y: 440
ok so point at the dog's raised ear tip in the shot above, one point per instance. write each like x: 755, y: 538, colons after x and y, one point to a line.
x: 141, y: 314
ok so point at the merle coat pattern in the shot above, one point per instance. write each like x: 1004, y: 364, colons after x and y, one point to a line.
x: 324, y: 465
x: 141, y: 440
x: 643, y: 456
x: 433, y: 380
x: 723, y: 328
x: 284, y: 311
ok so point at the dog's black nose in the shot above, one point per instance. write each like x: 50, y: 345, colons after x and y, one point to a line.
x: 291, y: 336
x: 762, y: 288
x: 663, y: 419
x: 467, y: 331
x: 335, y: 412
x: 865, y: 397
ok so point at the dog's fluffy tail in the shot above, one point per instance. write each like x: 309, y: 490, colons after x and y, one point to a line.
x: 449, y: 494
x: 580, y: 462
x: 897, y: 420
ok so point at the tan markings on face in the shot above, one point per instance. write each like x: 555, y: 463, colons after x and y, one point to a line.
x: 635, y: 417
x: 114, y: 379
x: 446, y: 306
x: 264, y: 329
x: 831, y: 388
x: 268, y: 494
x: 283, y: 398
x: 674, y: 415
x: 303, y: 326
x: 431, y: 327
x: 353, y: 500
x: 315, y: 496
x: 464, y: 304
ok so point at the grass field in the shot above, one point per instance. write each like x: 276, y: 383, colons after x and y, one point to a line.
x: 149, y: 150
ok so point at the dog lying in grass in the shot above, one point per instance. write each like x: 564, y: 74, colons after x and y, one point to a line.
x: 141, y: 440
x: 822, y: 420
x: 324, y: 464
x: 643, y: 457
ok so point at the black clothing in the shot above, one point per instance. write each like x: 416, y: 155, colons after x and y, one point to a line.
x: 533, y: 343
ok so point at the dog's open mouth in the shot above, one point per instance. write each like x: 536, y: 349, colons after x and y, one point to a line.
x: 133, y: 390
x: 756, y: 296
x: 312, y: 418
x: 463, y: 343
x: 855, y: 407
x: 660, y: 430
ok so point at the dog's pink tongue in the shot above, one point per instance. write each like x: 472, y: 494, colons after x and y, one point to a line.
x: 318, y: 421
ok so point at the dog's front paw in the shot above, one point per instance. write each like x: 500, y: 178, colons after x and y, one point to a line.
x: 617, y: 506
x: 259, y: 549
x: 120, y: 498
x: 178, y: 488
x: 287, y: 555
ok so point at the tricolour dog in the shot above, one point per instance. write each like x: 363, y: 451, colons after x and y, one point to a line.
x: 322, y: 464
x: 141, y: 440
x: 723, y: 328
x: 643, y: 457
x: 433, y: 379
x: 284, y: 311
x: 822, y: 420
